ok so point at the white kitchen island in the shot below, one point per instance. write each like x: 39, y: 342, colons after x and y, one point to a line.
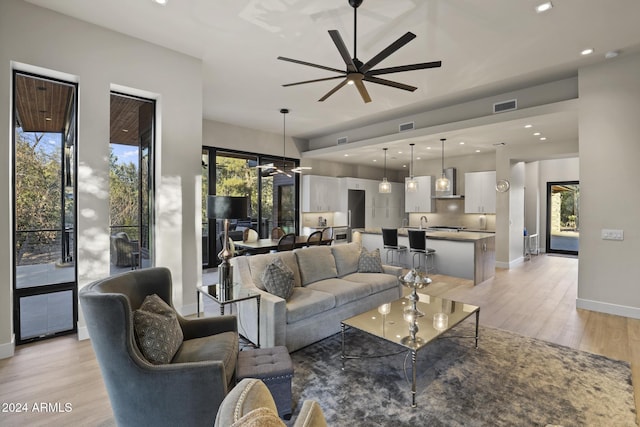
x: 465, y: 254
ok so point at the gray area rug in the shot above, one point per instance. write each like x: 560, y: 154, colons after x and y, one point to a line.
x: 510, y: 380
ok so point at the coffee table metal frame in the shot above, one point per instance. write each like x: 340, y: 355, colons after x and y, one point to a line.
x: 394, y: 328
x: 212, y: 292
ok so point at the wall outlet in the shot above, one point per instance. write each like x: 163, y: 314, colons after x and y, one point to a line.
x: 608, y: 234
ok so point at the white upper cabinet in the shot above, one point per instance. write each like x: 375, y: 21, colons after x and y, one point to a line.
x: 480, y: 192
x: 320, y: 193
x: 420, y: 201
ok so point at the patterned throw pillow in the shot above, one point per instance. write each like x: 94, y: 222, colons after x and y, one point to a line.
x: 157, y: 330
x: 370, y: 262
x: 278, y: 279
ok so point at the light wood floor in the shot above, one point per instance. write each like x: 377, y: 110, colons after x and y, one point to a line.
x: 535, y: 299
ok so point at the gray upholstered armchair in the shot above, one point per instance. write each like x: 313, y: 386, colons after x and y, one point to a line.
x: 188, y: 390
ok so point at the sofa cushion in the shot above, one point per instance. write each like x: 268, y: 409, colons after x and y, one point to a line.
x: 377, y: 282
x: 278, y: 279
x: 369, y: 262
x: 157, y: 330
x: 316, y: 263
x: 258, y: 263
x: 222, y: 346
x: 305, y: 302
x: 344, y: 291
x: 346, y: 257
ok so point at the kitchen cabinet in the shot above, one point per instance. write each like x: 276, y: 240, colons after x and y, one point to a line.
x: 421, y: 200
x: 485, y: 260
x: 480, y: 192
x: 320, y: 194
x: 387, y: 209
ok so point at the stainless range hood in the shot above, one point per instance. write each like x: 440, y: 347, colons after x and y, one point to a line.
x: 450, y: 173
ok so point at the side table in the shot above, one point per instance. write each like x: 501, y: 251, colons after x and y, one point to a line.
x: 238, y: 295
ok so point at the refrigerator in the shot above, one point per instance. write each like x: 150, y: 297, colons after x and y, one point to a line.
x: 356, y: 210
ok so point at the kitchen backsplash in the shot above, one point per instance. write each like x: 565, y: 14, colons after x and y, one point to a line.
x: 451, y: 213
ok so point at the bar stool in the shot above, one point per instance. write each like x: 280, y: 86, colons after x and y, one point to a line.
x: 418, y: 245
x: 390, y: 243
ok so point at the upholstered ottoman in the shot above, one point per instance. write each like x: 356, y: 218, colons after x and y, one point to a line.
x: 274, y: 367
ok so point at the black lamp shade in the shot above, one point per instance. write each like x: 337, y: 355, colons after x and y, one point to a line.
x: 227, y: 207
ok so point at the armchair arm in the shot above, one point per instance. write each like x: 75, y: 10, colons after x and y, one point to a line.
x: 392, y: 269
x: 205, y: 326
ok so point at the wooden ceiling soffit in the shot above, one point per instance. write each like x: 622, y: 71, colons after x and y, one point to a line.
x: 42, y: 105
x: 128, y: 117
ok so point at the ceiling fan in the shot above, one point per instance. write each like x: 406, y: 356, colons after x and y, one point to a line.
x: 358, y: 72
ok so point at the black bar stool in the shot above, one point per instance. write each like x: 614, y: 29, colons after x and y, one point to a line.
x: 390, y: 243
x: 418, y: 245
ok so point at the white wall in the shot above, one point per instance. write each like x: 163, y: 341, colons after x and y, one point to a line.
x: 100, y: 60
x: 609, y: 174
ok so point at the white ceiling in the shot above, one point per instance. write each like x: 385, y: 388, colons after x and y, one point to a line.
x: 483, y: 45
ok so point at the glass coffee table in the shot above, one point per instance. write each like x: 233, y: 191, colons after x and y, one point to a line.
x: 411, y: 324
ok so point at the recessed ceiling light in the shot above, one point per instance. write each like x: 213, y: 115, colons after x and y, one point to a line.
x: 399, y: 152
x: 125, y: 130
x: 528, y: 126
x: 428, y: 148
x: 543, y: 139
x: 404, y: 166
x: 346, y: 155
x: 477, y: 151
x: 161, y: 2
x: 587, y: 51
x: 375, y: 160
x: 611, y: 54
x: 418, y: 158
x: 461, y: 142
x: 543, y: 7
x: 48, y: 119
x: 536, y: 134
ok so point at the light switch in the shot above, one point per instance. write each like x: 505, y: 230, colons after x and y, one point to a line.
x: 610, y: 234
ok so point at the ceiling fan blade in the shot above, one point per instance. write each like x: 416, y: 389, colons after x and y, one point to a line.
x: 296, y: 61
x: 363, y: 90
x: 387, y: 51
x: 334, y: 90
x: 344, y: 52
x: 386, y: 82
x: 401, y: 68
x: 313, y: 81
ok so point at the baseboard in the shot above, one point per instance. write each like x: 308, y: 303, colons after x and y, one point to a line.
x: 510, y: 264
x: 83, y: 333
x: 605, y: 307
x: 8, y: 349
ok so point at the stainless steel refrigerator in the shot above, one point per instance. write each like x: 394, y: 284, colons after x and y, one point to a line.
x: 355, y: 209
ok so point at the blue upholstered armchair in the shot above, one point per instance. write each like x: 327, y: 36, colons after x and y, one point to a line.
x: 188, y: 390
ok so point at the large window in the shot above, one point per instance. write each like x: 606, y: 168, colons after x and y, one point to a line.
x: 273, y: 200
x: 44, y: 195
x: 130, y: 182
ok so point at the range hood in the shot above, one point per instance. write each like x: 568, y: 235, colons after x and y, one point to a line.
x: 450, y: 173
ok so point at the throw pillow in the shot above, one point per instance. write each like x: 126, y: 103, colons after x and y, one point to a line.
x: 278, y: 279
x: 157, y: 330
x: 370, y: 262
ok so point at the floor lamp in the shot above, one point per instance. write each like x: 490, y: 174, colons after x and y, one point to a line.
x: 226, y: 208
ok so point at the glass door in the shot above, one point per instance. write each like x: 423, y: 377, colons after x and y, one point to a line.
x: 563, y: 217
x: 44, y: 201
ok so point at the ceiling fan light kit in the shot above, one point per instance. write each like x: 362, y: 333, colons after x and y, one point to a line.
x: 442, y: 183
x: 275, y: 170
x: 358, y: 72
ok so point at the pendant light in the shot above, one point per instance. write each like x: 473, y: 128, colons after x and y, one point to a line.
x: 411, y: 186
x: 442, y: 183
x: 384, y: 186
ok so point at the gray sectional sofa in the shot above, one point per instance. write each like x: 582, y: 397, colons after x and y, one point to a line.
x: 328, y: 288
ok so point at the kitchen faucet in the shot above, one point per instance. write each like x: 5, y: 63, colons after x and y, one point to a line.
x: 425, y: 221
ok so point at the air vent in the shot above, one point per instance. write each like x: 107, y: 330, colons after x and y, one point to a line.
x: 343, y: 140
x: 501, y: 107
x: 406, y: 126
x: 499, y: 144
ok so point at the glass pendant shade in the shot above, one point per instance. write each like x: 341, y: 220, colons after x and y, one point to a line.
x: 411, y: 185
x: 442, y: 183
x: 384, y: 186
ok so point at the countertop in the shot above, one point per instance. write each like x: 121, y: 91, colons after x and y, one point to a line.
x: 463, y: 236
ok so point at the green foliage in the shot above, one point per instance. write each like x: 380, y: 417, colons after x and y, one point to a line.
x: 123, y: 192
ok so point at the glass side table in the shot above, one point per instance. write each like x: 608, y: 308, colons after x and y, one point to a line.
x: 237, y: 294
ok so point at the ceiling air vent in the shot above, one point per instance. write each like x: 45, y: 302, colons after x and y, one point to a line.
x: 501, y: 107
x: 343, y: 140
x: 406, y: 126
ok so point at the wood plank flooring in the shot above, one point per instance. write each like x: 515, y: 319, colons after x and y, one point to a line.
x: 536, y: 299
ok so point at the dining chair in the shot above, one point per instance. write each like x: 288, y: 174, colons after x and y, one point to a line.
x: 327, y: 236
x: 276, y: 233
x: 287, y: 242
x: 315, y: 238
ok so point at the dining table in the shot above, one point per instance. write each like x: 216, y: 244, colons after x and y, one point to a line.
x: 261, y: 246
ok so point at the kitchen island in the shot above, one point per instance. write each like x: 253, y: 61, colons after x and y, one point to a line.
x: 465, y: 254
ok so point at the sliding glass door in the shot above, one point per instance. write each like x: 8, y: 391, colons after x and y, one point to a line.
x: 563, y: 217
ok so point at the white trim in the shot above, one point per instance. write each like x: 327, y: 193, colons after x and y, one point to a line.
x: 8, y: 349
x: 605, y: 307
x: 83, y: 333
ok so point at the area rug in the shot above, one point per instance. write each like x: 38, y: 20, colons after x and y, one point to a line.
x: 510, y: 380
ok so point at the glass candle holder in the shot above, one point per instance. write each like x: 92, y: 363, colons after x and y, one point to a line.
x: 440, y: 321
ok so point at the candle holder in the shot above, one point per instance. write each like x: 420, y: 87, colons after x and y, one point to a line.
x: 414, y: 280
x: 440, y: 322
